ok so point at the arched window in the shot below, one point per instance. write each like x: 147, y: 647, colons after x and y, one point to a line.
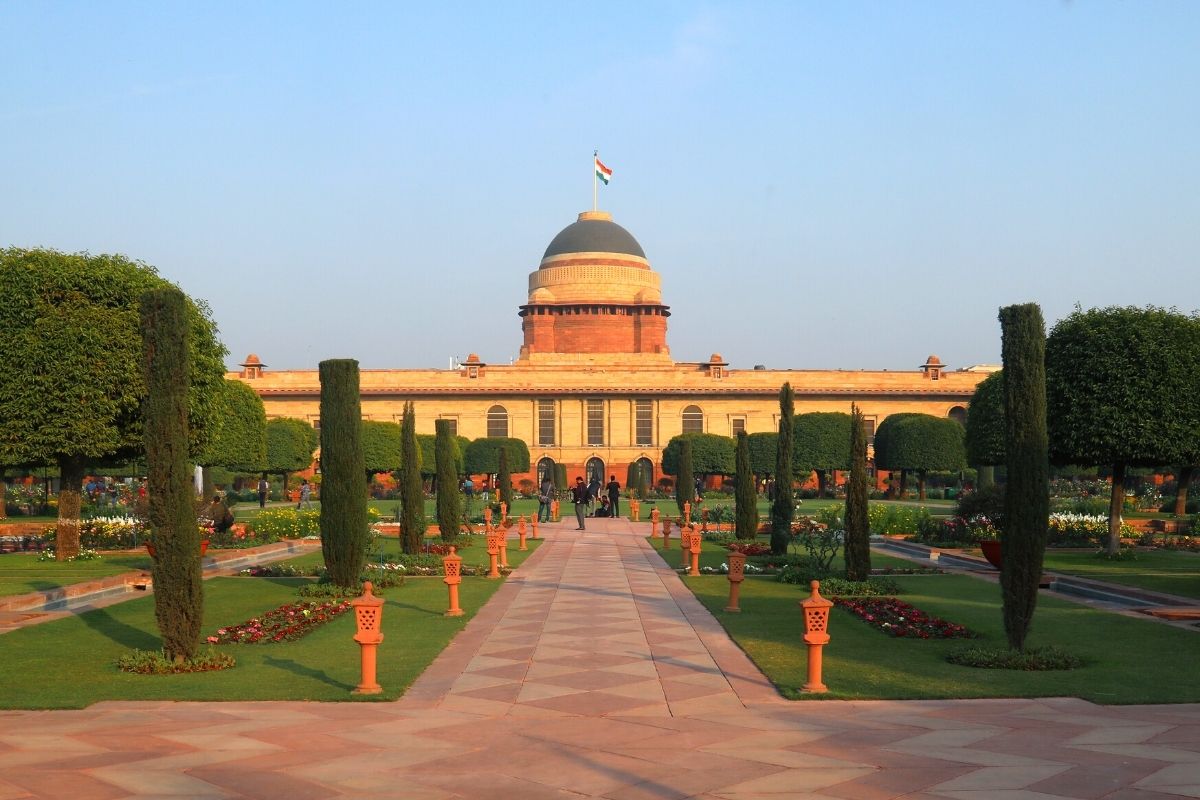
x: 693, y: 420
x: 545, y: 469
x: 958, y: 414
x: 647, y: 468
x: 497, y: 422
x: 595, y: 470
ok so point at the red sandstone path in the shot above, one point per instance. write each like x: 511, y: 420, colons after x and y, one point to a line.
x: 593, y: 672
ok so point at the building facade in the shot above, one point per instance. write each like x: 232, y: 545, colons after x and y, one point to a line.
x: 595, y: 387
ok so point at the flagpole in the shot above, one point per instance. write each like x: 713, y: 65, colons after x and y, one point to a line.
x: 595, y: 181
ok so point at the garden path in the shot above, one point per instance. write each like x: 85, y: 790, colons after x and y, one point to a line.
x: 595, y: 673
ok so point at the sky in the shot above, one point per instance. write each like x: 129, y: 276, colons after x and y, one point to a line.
x: 849, y: 185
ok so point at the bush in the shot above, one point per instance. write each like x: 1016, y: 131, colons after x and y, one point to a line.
x: 987, y: 502
x: 1081, y: 530
x: 1168, y: 507
x: 1081, y: 505
x: 1034, y: 659
x: 155, y: 662
x: 886, y: 520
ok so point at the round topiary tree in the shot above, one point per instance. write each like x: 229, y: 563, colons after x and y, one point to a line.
x: 178, y: 589
x: 783, y: 505
x: 344, y: 529
x: 290, y: 446
x: 239, y: 437
x: 920, y: 442
x: 712, y: 454
x: 821, y: 442
x: 745, y: 498
x: 449, y: 494
x: 857, y: 551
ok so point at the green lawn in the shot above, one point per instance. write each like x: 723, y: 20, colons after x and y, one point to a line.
x: 69, y: 663
x: 1171, y: 571
x: 1126, y: 660
x: 713, y: 555
x: 21, y: 573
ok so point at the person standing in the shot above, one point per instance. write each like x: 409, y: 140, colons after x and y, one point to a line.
x: 614, y: 496
x: 305, y: 494
x: 263, y: 488
x: 579, y: 496
x: 593, y: 489
x: 545, y: 497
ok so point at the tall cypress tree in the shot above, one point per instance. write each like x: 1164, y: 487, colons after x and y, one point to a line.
x: 685, y: 479
x: 178, y: 589
x: 643, y: 485
x: 344, y: 528
x: 745, y: 498
x: 783, y: 506
x: 449, y: 495
x: 1027, y: 492
x: 857, y: 551
x: 412, y: 494
x: 504, y: 478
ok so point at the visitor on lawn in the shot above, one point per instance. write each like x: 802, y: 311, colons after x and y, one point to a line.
x: 545, y: 497
x: 614, y: 496
x: 220, y: 514
x: 305, y: 494
x: 263, y: 488
x: 580, y: 496
x: 593, y: 489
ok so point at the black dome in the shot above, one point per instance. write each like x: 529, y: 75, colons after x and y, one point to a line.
x: 594, y: 236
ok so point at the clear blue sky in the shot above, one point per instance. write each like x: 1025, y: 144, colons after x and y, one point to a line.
x: 821, y: 185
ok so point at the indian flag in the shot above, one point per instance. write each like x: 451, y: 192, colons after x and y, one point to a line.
x: 603, y: 172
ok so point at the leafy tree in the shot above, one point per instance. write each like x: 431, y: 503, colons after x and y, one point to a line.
x: 821, y: 443
x: 884, y: 447
x: 560, y: 477
x: 483, y: 456
x: 412, y: 493
x: 985, y: 427
x: 178, y: 589
x: 763, y: 449
x: 504, y: 479
x: 921, y: 442
x: 449, y: 495
x: 685, y: 476
x: 1027, y: 491
x: 633, y: 477
x: 1183, y: 479
x: 745, y: 498
x: 290, y: 446
x: 238, y: 440
x: 71, y: 383
x: 783, y: 505
x: 345, y: 533
x: 382, y: 446
x: 712, y: 454
x: 857, y: 551
x: 1123, y: 389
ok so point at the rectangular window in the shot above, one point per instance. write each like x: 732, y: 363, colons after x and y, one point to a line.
x: 643, y: 422
x: 453, y: 424
x: 737, y: 425
x: 545, y: 412
x: 595, y: 422
x: 869, y: 424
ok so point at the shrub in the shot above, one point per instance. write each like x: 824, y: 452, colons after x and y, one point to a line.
x: 886, y: 520
x: 156, y: 662
x: 987, y: 502
x: 1081, y: 505
x: 286, y: 523
x: 1031, y: 660
x: 1081, y: 530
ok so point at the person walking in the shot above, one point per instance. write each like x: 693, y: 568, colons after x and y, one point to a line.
x: 545, y: 497
x: 593, y: 489
x: 263, y: 488
x: 614, y: 496
x: 305, y: 494
x: 579, y: 496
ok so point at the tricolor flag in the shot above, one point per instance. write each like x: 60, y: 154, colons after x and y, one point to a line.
x: 603, y: 172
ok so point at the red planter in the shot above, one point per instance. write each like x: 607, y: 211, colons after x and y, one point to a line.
x: 203, y: 548
x: 991, y: 551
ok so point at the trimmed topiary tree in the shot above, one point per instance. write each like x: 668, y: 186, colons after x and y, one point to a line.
x: 857, y: 551
x: 344, y: 528
x: 763, y: 449
x: 290, y: 446
x: 985, y: 428
x: 920, y: 442
x: 1027, y: 491
x: 483, y: 455
x: 783, y: 505
x: 821, y: 442
x: 712, y: 454
x: 745, y: 498
x: 685, y: 478
x: 238, y: 441
x: 382, y: 446
x: 412, y: 493
x: 178, y: 589
x: 449, y: 494
x: 504, y: 479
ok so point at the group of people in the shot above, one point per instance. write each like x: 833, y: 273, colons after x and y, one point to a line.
x: 589, y: 502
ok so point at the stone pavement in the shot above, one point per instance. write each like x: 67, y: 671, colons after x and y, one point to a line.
x: 593, y: 672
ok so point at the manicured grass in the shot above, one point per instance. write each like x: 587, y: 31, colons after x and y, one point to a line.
x: 21, y: 573
x: 69, y: 663
x: 1126, y: 660
x: 713, y: 555
x: 1171, y: 571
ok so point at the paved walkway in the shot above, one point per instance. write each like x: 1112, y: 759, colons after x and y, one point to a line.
x: 595, y: 673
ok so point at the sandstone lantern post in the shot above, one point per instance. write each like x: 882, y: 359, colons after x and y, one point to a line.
x: 737, y: 574
x: 368, y: 614
x: 493, y: 551
x: 452, y: 565
x: 816, y: 636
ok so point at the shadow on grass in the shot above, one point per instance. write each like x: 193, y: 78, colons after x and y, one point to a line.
x: 122, y: 633
x: 296, y: 668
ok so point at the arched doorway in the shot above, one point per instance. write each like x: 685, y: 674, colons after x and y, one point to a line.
x: 647, y: 468
x: 958, y: 414
x: 594, y: 469
x: 545, y: 469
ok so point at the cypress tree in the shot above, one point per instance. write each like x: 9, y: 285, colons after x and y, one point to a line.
x: 504, y: 478
x: 560, y: 477
x: 449, y: 495
x: 178, y: 590
x: 783, y: 506
x: 745, y: 498
x: 857, y: 551
x: 412, y: 494
x: 344, y: 528
x: 643, y: 485
x: 685, y: 478
x: 1027, y: 492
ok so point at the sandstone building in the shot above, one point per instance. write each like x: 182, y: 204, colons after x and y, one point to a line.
x: 595, y: 387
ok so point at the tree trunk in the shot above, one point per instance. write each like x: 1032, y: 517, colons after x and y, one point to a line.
x: 66, y: 540
x: 986, y: 476
x: 207, y: 489
x: 1115, y: 506
x: 3, y: 499
x: 920, y: 484
x: 822, y: 483
x: 1181, y: 490
x: 903, y: 485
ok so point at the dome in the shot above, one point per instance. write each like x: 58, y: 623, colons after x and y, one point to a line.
x: 594, y: 232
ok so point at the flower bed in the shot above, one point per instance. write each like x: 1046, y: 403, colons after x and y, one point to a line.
x: 902, y: 620
x: 749, y: 548
x: 284, y: 624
